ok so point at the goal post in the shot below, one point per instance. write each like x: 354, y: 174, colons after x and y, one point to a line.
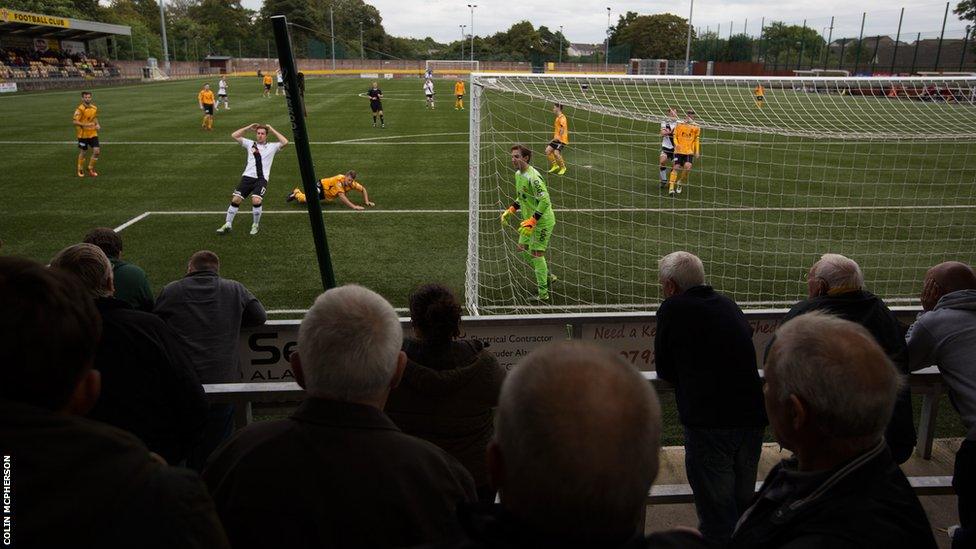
x: 455, y: 67
x: 882, y: 170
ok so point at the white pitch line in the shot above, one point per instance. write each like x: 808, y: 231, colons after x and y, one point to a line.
x: 132, y: 221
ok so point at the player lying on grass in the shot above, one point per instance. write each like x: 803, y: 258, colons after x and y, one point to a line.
x: 538, y: 219
x: 334, y: 187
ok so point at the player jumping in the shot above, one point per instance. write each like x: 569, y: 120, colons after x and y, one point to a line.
x: 687, y: 147
x: 254, y: 180
x: 206, y: 100
x: 667, y: 144
x: 222, y: 93
x: 459, y: 95
x: 760, y: 95
x: 86, y: 125
x: 375, y: 95
x: 337, y: 186
x: 538, y: 219
x: 560, y: 138
x: 429, y: 93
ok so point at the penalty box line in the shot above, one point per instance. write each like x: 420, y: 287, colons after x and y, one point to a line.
x: 144, y: 215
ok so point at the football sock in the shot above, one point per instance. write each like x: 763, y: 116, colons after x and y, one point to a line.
x: 541, y: 273
x: 561, y: 161
x: 299, y: 196
x: 664, y: 174
x: 381, y: 120
x: 81, y: 163
x: 374, y: 119
x: 91, y: 163
x: 672, y: 179
x: 204, y: 123
x: 231, y: 212
x: 256, y: 212
x: 552, y: 159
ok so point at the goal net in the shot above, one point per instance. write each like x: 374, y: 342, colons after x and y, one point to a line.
x: 882, y: 170
x: 443, y: 67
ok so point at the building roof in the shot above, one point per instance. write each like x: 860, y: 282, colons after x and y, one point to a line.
x: 50, y: 26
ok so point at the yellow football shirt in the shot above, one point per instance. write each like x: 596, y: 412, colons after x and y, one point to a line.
x: 85, y: 115
x: 560, y: 129
x: 759, y: 91
x: 206, y: 97
x: 687, y: 138
x: 459, y: 88
x: 332, y: 186
x: 267, y: 80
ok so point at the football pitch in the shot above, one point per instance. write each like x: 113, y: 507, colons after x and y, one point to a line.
x: 165, y: 183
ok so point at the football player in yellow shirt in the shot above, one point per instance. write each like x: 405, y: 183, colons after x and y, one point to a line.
x: 560, y: 138
x: 206, y: 100
x: 334, y: 187
x: 760, y: 95
x: 687, y: 147
x: 459, y: 95
x: 267, y: 85
x: 86, y: 125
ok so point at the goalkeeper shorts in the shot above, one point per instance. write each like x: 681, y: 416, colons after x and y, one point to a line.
x: 538, y: 241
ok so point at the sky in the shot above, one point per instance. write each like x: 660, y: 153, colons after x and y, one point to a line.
x: 586, y: 20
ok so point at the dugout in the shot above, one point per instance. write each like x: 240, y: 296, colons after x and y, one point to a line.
x: 46, y: 51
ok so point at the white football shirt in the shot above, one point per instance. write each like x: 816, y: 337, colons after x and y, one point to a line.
x: 268, y: 152
x: 222, y: 87
x: 666, y: 142
x: 429, y: 88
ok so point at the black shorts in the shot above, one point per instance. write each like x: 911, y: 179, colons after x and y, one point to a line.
x: 267, y: 87
x: 684, y: 159
x: 375, y: 106
x: 430, y: 96
x: 208, y: 109
x: 760, y: 98
x: 668, y: 153
x: 221, y: 95
x: 251, y: 185
x: 461, y: 96
x: 557, y: 145
x: 85, y: 142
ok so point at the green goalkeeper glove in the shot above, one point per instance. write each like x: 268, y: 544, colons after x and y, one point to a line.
x: 506, y: 214
x: 527, y: 226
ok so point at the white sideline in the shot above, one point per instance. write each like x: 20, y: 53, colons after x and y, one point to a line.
x: 144, y: 215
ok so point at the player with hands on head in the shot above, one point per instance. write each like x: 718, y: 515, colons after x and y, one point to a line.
x: 254, y: 180
x: 538, y: 218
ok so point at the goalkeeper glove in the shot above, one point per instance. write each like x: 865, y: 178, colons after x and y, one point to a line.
x: 527, y: 226
x: 506, y: 214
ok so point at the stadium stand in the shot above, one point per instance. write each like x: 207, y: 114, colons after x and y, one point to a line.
x: 16, y: 63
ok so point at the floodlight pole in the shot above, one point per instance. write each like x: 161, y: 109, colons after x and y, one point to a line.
x: 362, y: 50
x: 691, y: 11
x: 472, y: 6
x: 296, y: 110
x: 162, y: 24
x: 462, y: 27
x: 606, y: 55
x: 560, y: 43
x: 332, y: 32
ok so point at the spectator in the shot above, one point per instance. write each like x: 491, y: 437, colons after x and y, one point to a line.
x: 835, y: 285
x: 829, y: 393
x: 148, y: 386
x: 703, y: 346
x: 449, y: 386
x: 573, y: 456
x: 77, y: 482
x: 209, y: 312
x: 131, y: 284
x: 945, y: 335
x: 338, y: 473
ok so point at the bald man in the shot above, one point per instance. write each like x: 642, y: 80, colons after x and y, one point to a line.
x: 945, y: 335
x: 574, y: 453
x: 835, y: 284
x: 829, y: 392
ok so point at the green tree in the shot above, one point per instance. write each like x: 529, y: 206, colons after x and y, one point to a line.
x: 659, y: 36
x: 782, y: 44
x: 60, y: 8
x: 622, y: 22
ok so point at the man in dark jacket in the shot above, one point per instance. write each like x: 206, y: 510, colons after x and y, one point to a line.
x: 829, y: 393
x: 77, y: 482
x: 703, y: 346
x: 945, y: 335
x: 835, y: 285
x: 574, y: 454
x: 149, y: 387
x: 338, y: 473
x: 208, y: 312
x: 131, y: 283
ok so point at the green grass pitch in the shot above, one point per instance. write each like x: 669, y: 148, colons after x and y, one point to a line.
x: 156, y: 158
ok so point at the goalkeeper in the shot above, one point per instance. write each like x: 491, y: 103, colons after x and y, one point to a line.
x: 538, y: 219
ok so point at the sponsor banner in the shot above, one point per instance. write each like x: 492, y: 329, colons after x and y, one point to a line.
x: 42, y: 45
x: 8, y: 87
x: 372, y: 75
x: 388, y: 75
x: 14, y: 16
x: 73, y: 46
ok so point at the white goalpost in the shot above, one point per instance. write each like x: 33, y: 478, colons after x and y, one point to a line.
x: 444, y: 67
x: 882, y: 170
